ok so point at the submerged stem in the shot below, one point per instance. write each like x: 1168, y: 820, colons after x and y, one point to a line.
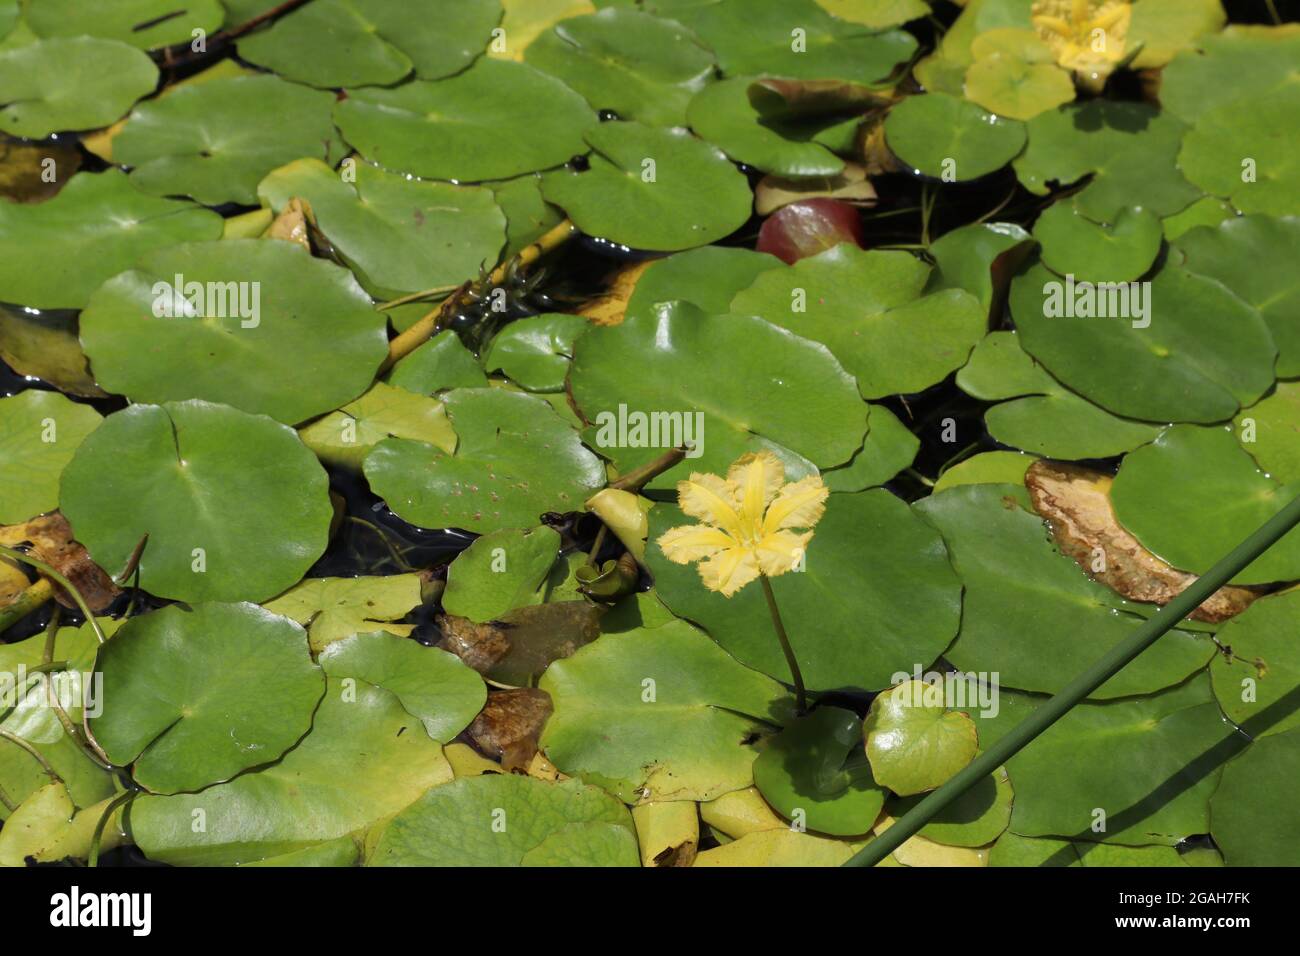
x: 801, y: 700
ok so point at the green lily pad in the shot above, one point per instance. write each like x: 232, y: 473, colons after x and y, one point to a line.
x: 528, y: 215
x: 1233, y: 252
x: 431, y: 684
x: 331, y: 43
x: 1268, y: 430
x: 1172, y: 360
x: 659, y: 714
x: 802, y: 774
x: 1015, y: 850
x: 1253, y: 817
x: 363, y: 761
x: 496, y: 120
x: 1260, y: 667
x: 979, y: 258
x: 516, y: 459
x: 915, y: 744
x: 779, y: 848
x: 1131, y: 150
x: 1163, y: 28
x: 44, y: 345
x: 39, y: 432
x: 346, y: 437
x: 666, y: 362
x: 1042, y: 416
x: 1118, y: 251
x: 1018, y: 82
x: 195, y: 697
x: 945, y: 137
x: 877, y: 14
x: 1193, y: 495
x: 1206, y: 211
x: 535, y: 352
x: 641, y: 67
x: 441, y: 363
x: 70, y: 83
x: 1030, y: 613
x: 975, y: 818
x: 888, y: 448
x: 794, y: 38
x: 499, y: 572
x: 333, y: 609
x: 877, y: 597
x: 723, y: 114
x: 1258, y: 137
x: 708, y: 277
x: 1243, y: 63
x: 236, y: 508
x: 216, y: 140
x: 1149, y: 765
x: 502, y: 820
x: 260, y: 325
x: 48, y: 828
x: 869, y: 309
x: 654, y: 189
x: 94, y: 228
x: 398, y: 235
x: 987, y: 468
x: 147, y: 24
x: 335, y: 853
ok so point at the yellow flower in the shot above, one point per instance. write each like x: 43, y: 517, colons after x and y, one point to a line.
x: 751, y: 521
x: 1087, y: 36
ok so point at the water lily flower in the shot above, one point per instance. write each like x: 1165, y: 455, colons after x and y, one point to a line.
x: 750, y: 522
x: 1086, y: 36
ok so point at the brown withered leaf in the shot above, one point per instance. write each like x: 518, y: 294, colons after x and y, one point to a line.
x: 852, y: 186
x: 542, y: 633
x: 292, y: 225
x: 51, y: 540
x: 480, y: 646
x: 510, y: 724
x: 872, y: 150
x: 1076, y: 503
x: 609, y: 308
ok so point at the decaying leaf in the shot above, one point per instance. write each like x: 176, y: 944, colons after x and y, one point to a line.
x: 851, y: 185
x: 510, y: 723
x: 51, y: 540
x: 542, y: 633
x: 1076, y: 503
x: 480, y: 646
x: 293, y: 224
x: 668, y: 832
x: 608, y: 309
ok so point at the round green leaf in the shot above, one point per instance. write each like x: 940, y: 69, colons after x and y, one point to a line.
x: 1043, y: 416
x: 535, y: 352
x: 1241, y: 63
x: 94, y: 228
x: 1237, y: 251
x: 236, y: 508
x: 364, y: 760
x: 215, y: 140
x: 1258, y: 173
x: 441, y: 363
x: 1031, y: 614
x: 194, y: 697
x: 397, y: 234
x: 723, y: 114
x: 869, y: 310
x: 1182, y: 348
x: 652, y: 189
x: 978, y: 258
x: 516, y: 459
x: 1260, y: 666
x: 505, y: 820
x: 499, y: 572
x: 336, y: 608
x: 1130, y: 149
x: 495, y: 120
x: 431, y: 684
x: 1254, y: 818
x: 1012, y: 86
x: 346, y: 437
x: 257, y: 324
x: 70, y: 83
x: 658, y: 714
x: 1193, y: 495
x: 39, y: 432
x: 1164, y: 27
x: 782, y: 393
x: 876, y: 14
x: 888, y: 448
x: 942, y: 136
x: 332, y: 43
x: 878, y: 597
x: 147, y: 24
x: 987, y: 468
x: 916, y: 744
x: 641, y: 67
x: 1268, y: 431
x: 975, y: 818
x: 1119, y: 251
x: 708, y: 277
x: 802, y: 774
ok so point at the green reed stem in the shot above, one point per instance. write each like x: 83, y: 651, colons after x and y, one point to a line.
x: 1111, y: 663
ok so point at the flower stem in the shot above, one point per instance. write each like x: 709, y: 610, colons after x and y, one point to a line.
x: 638, y: 479
x: 801, y: 699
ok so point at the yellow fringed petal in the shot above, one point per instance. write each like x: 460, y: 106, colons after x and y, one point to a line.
x: 800, y: 504
x: 710, y: 499
x: 692, y: 542
x: 778, y: 553
x: 757, y: 478
x: 729, y: 571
